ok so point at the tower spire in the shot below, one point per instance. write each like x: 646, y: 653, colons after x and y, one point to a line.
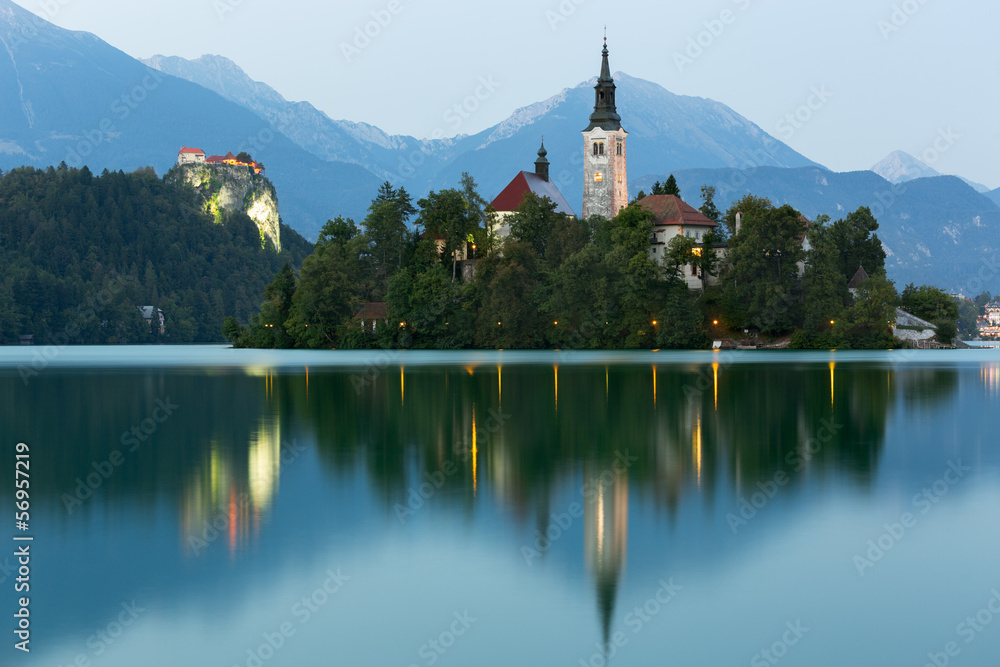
x: 542, y: 163
x: 605, y: 113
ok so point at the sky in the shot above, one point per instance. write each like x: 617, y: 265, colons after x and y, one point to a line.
x: 844, y: 82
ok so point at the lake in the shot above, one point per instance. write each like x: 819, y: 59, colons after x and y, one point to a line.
x: 213, y: 507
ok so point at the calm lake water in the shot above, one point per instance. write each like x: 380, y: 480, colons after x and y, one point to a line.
x: 212, y: 507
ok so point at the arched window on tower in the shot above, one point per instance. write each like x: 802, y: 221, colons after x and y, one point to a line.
x: 595, y: 148
x: 602, y: 147
x: 619, y: 178
x: 618, y: 149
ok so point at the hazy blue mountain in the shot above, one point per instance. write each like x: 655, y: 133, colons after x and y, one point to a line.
x: 900, y: 167
x: 994, y: 195
x: 666, y: 131
x: 68, y: 96
x: 935, y: 230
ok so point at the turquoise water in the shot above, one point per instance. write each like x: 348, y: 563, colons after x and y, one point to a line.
x: 207, y: 506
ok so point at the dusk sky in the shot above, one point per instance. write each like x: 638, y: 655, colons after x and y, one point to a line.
x: 891, y: 74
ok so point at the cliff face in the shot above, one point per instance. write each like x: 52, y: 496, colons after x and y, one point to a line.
x: 233, y: 189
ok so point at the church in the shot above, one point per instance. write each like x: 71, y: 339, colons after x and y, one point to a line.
x: 605, y: 185
x: 605, y: 179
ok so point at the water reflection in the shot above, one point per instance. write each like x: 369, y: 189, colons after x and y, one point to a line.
x: 514, y: 436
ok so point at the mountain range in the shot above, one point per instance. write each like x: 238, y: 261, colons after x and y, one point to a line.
x: 75, y: 98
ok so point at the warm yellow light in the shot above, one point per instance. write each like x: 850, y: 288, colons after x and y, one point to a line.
x: 716, y: 322
x: 655, y: 323
x: 831, y: 322
x: 402, y: 325
x: 556, y: 323
x: 498, y: 324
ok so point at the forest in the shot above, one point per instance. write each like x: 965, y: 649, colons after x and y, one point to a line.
x: 80, y: 253
x: 558, y: 282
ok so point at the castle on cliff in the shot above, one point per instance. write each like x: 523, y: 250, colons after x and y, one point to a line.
x: 188, y: 155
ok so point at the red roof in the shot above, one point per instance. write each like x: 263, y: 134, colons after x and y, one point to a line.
x: 512, y: 196
x: 193, y: 151
x: 672, y: 210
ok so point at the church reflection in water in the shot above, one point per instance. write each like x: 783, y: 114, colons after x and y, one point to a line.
x: 518, y: 436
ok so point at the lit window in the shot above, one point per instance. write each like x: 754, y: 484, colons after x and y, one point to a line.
x: 619, y: 178
x: 595, y: 148
x: 601, y: 147
x: 598, y: 177
x: 619, y: 147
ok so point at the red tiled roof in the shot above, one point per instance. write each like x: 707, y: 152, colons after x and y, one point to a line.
x: 375, y: 310
x: 672, y: 210
x: 512, y: 196
x: 194, y: 151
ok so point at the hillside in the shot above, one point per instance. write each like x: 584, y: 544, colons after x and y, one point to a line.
x: 937, y: 231
x: 79, y: 100
x: 79, y: 253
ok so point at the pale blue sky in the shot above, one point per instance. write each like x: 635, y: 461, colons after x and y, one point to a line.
x: 886, y: 90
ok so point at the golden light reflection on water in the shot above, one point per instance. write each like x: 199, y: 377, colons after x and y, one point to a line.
x: 715, y: 383
x: 696, y: 443
x: 832, y: 366
x: 991, y: 378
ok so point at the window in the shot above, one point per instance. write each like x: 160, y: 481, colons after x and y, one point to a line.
x: 619, y: 178
x: 598, y: 177
x: 694, y: 270
x: 601, y: 145
x: 619, y: 147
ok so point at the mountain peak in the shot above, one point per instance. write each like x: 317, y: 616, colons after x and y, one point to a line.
x: 900, y: 167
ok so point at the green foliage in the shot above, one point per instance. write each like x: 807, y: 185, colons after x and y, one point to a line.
x: 968, y: 318
x: 80, y: 252
x: 668, y: 188
x: 824, y: 287
x: 387, y: 234
x: 763, y: 276
x: 708, y: 208
x: 929, y: 303
x: 858, y: 243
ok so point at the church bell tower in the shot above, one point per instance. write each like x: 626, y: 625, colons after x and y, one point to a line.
x: 605, y: 180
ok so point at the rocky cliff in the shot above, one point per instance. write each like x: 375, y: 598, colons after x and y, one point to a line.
x: 227, y: 188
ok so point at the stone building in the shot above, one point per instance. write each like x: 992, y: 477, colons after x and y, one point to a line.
x: 605, y: 179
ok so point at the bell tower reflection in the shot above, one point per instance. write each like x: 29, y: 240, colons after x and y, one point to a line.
x: 605, y: 536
